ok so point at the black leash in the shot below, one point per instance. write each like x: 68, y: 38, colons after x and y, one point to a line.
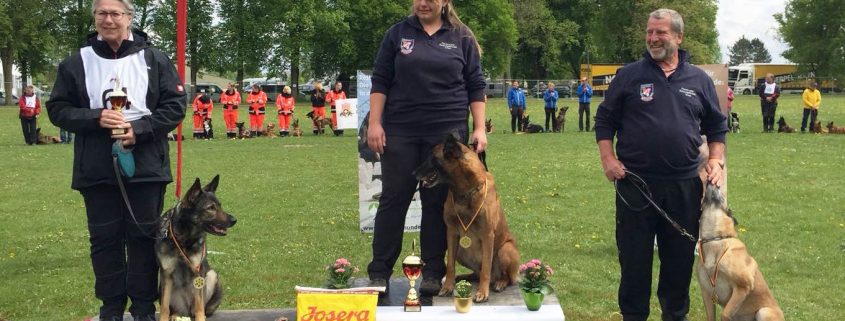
x: 641, y: 185
x: 118, y: 175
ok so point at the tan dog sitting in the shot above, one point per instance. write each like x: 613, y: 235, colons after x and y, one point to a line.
x: 727, y: 274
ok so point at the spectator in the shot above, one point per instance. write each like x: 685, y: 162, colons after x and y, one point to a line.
x: 769, y: 92
x: 30, y: 108
x: 730, y: 106
x: 585, y: 93
x: 411, y: 111
x: 516, y: 106
x: 122, y: 252
x: 202, y: 107
x: 230, y: 100
x: 331, y: 97
x: 318, y: 106
x: 285, y: 104
x: 550, y: 97
x: 257, y: 100
x: 812, y: 99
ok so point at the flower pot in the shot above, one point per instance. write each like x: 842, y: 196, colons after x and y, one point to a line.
x: 533, y: 300
x: 463, y: 304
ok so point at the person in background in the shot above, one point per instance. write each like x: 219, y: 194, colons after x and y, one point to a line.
x: 230, y: 100
x: 285, y: 104
x: 331, y: 97
x: 318, y: 106
x: 730, y: 106
x: 658, y: 133
x: 202, y: 107
x: 122, y: 252
x: 516, y: 106
x: 30, y: 108
x: 812, y: 99
x: 769, y: 92
x: 411, y: 111
x: 550, y: 97
x: 585, y: 93
x: 257, y: 100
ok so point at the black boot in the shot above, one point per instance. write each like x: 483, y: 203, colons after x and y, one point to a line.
x: 316, y: 132
x: 285, y: 133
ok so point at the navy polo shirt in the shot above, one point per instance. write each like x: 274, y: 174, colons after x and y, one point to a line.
x: 429, y: 81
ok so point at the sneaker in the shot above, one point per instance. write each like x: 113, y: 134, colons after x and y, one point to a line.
x: 430, y: 287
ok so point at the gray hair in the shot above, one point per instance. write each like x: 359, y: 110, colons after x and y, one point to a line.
x: 677, y: 20
x: 127, y: 4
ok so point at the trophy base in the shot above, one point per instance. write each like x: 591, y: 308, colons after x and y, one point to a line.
x: 413, y: 308
x: 119, y: 131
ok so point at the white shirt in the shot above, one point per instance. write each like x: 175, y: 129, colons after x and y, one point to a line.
x: 770, y: 89
x: 30, y: 101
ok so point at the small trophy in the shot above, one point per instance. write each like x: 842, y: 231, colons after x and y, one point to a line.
x: 412, y: 268
x: 118, y: 99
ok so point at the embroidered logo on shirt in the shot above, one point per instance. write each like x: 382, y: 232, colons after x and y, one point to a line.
x: 646, y: 92
x: 407, y: 46
x: 687, y: 92
x: 447, y: 45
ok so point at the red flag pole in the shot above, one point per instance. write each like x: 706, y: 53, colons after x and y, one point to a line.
x: 181, y: 30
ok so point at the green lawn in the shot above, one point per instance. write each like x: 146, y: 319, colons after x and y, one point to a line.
x: 296, y: 203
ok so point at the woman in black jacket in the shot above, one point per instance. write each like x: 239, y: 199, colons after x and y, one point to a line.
x: 122, y: 253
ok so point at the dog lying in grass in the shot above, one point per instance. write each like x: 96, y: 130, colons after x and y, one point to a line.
x: 242, y: 131
x: 530, y: 128
x: 831, y: 128
x: 46, y: 139
x: 783, y: 127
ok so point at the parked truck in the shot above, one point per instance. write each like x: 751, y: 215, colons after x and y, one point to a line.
x: 600, y: 75
x: 746, y: 78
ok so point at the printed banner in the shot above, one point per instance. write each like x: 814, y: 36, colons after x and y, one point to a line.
x: 347, y: 113
x: 335, y: 306
x: 369, y: 168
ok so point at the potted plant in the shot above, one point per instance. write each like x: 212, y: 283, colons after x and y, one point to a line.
x: 534, y: 283
x: 340, y: 274
x: 463, y: 293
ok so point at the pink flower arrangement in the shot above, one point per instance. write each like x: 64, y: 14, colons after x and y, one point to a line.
x: 340, y: 274
x: 534, y: 277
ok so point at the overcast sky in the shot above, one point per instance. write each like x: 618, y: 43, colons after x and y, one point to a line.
x: 752, y: 18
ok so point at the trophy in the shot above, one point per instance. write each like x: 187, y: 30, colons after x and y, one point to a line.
x: 412, y: 268
x: 118, y: 99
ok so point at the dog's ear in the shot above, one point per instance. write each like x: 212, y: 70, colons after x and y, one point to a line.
x: 212, y: 186
x: 193, y: 192
x: 452, y: 147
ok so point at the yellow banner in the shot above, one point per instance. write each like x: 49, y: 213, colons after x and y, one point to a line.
x: 336, y: 307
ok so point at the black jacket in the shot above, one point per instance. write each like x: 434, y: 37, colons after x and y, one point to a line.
x: 657, y: 120
x: 429, y: 81
x: 69, y: 108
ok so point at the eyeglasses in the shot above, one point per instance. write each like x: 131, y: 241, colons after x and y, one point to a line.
x: 101, y: 15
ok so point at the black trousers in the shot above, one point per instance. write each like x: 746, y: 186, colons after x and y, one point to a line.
x: 29, y: 128
x: 768, y: 109
x: 401, y: 157
x: 123, y: 253
x: 583, y: 110
x: 812, y: 113
x: 516, y: 119
x: 550, y: 115
x: 635, y: 234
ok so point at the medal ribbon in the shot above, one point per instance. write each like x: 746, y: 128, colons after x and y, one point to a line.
x: 474, y: 216
x: 187, y: 260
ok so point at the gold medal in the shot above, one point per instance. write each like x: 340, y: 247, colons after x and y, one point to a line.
x: 465, y: 242
x: 199, y: 282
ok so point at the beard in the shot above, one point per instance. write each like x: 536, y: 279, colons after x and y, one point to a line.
x: 663, y: 53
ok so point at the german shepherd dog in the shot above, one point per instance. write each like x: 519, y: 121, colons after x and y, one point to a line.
x: 270, y: 131
x: 46, y: 139
x: 530, y: 128
x: 783, y: 127
x: 817, y: 127
x: 727, y: 274
x: 189, y: 287
x: 831, y: 128
x: 320, y: 122
x: 242, y: 131
x: 560, y: 120
x: 488, y: 125
x: 297, y: 130
x: 486, y: 246
x: 734, y: 124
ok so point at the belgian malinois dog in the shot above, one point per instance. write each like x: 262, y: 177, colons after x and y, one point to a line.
x: 189, y: 287
x: 727, y: 274
x: 476, y: 231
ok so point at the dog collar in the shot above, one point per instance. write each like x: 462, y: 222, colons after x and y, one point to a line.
x: 718, y: 238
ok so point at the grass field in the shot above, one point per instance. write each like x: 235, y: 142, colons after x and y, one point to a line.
x: 296, y: 203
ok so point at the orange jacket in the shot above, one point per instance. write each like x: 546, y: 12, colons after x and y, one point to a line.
x: 202, y: 109
x: 29, y: 112
x: 284, y: 105
x: 332, y: 96
x: 256, y: 102
x: 230, y: 101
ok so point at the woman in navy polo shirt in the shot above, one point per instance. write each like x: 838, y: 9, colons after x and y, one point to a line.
x: 426, y: 74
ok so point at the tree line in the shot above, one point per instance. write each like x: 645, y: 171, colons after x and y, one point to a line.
x: 536, y: 39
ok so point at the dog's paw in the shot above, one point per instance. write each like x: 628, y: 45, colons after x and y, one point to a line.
x: 481, y: 296
x: 446, y: 290
x: 500, y: 285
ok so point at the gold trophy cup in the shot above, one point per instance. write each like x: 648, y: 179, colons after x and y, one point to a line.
x: 412, y: 268
x: 118, y: 99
